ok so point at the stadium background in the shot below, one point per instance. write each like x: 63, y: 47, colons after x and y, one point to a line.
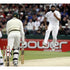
x: 32, y: 16
x: 34, y: 13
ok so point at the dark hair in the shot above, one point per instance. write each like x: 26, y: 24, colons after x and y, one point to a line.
x: 52, y: 6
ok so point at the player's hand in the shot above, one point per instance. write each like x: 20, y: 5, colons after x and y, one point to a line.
x: 24, y: 43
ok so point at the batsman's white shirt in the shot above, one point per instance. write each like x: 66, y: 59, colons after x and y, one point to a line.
x: 14, y: 36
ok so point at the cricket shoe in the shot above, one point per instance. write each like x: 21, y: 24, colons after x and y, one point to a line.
x: 53, y: 49
x: 15, y: 63
x: 44, y: 44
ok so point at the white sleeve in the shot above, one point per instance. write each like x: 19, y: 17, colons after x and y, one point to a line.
x: 22, y: 33
x: 58, y: 14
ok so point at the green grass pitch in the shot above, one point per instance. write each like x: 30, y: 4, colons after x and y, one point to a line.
x: 29, y: 55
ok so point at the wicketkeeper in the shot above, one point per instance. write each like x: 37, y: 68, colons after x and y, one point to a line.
x: 15, y: 32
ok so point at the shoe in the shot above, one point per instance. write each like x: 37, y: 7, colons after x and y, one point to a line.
x: 53, y: 49
x: 44, y: 44
x: 15, y: 63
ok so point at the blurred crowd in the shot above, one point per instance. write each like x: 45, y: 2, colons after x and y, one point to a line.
x: 32, y: 16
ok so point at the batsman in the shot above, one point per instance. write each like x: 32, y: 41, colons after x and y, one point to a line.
x: 15, y: 32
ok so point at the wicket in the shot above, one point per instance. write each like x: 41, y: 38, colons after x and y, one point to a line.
x: 8, y: 57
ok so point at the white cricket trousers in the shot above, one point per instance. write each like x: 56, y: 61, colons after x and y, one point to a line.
x: 54, y: 30
x: 14, y: 40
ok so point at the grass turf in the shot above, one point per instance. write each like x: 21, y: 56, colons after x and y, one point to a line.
x: 29, y: 55
x: 44, y: 55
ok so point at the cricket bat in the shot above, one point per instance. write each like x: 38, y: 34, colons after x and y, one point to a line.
x: 22, y: 55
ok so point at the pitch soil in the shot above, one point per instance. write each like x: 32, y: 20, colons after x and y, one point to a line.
x: 60, y: 61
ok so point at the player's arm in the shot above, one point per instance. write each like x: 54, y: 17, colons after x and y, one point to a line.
x: 58, y: 17
x: 22, y: 33
x: 45, y: 19
x: 45, y: 22
x: 23, y: 43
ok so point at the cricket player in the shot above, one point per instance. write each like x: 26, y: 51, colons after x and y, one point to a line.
x: 15, y: 32
x: 53, y: 17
